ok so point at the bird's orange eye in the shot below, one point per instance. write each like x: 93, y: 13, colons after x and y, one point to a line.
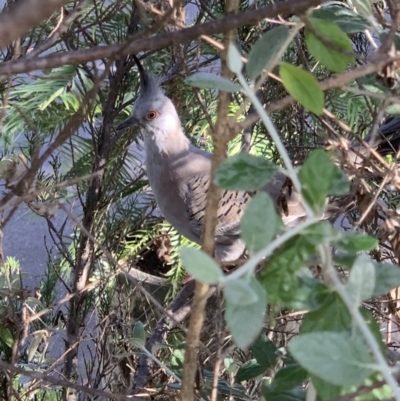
x: 151, y: 115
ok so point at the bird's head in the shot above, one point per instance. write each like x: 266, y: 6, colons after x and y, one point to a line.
x: 153, y: 111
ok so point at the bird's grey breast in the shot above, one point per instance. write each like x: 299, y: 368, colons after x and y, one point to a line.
x: 169, y: 177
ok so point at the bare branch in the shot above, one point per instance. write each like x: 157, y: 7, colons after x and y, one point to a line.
x: 221, y: 137
x: 23, y: 16
x: 160, y: 41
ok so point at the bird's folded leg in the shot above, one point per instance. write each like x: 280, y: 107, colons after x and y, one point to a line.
x: 285, y: 194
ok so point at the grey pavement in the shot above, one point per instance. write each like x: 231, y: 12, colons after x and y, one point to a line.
x: 24, y: 238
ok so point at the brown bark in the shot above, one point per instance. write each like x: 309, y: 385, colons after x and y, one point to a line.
x: 221, y: 137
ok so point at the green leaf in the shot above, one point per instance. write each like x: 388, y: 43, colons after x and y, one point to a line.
x: 387, y: 277
x: 205, y: 80
x: 48, y: 101
x: 236, y: 392
x: 230, y: 365
x: 249, y: 370
x: 373, y: 86
x: 245, y: 321
x: 264, y: 351
x: 361, y: 281
x: 345, y: 260
x: 374, y: 327
x: 239, y: 292
x: 334, y: 57
x: 6, y: 336
x: 393, y: 110
x: 289, y: 377
x: 279, y: 275
x: 354, y: 242
x: 234, y: 59
x: 334, y: 357
x: 346, y: 19
x: 303, y: 87
x: 319, y: 176
x: 313, y: 176
x: 244, y: 172
x: 296, y: 394
x: 138, y: 335
x: 333, y: 315
x: 200, y: 266
x: 321, y: 233
x: 264, y: 50
x: 363, y: 7
x: 310, y: 292
x: 177, y: 360
x: 259, y: 223
x: 326, y: 391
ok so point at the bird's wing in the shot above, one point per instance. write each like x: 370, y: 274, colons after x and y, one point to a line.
x: 230, y: 209
x: 232, y: 205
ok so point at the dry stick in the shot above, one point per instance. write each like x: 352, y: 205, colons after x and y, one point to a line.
x: 386, y: 176
x: 347, y: 129
x: 183, y: 296
x: 23, y: 16
x: 178, y: 309
x: 220, y: 140
x: 373, y: 201
x: 160, y: 41
x: 7, y: 367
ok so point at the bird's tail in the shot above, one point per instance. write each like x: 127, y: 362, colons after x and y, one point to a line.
x: 389, y: 141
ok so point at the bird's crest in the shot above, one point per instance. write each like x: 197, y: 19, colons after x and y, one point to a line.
x: 149, y: 85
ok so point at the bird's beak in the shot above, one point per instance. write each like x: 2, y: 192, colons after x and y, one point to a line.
x: 127, y: 123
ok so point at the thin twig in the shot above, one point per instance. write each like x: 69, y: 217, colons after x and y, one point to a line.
x: 60, y: 29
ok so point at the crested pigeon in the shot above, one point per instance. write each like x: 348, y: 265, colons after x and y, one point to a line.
x: 179, y: 174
